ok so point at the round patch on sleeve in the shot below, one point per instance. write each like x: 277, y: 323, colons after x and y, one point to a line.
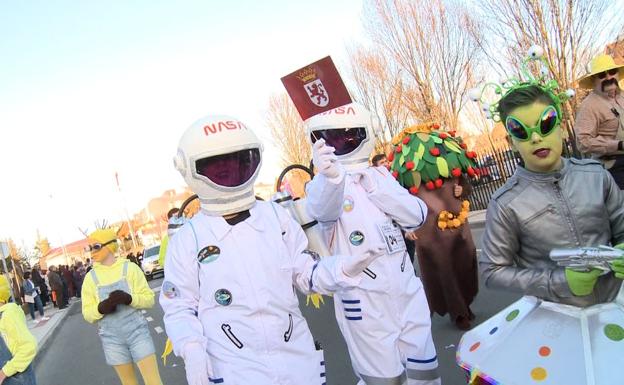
x: 170, y: 290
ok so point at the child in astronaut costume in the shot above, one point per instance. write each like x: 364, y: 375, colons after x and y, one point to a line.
x: 385, y: 320
x: 230, y: 306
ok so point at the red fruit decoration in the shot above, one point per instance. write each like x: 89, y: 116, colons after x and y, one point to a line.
x: 439, y: 156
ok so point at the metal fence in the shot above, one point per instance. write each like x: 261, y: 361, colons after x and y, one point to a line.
x: 495, y: 167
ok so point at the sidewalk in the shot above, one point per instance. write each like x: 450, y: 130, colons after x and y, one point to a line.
x: 43, y: 330
x: 476, y: 217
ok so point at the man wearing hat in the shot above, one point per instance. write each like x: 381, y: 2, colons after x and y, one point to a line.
x: 600, y: 119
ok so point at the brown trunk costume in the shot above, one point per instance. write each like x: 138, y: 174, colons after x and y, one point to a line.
x: 447, y: 258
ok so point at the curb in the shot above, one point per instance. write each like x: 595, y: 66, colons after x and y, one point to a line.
x: 46, y: 340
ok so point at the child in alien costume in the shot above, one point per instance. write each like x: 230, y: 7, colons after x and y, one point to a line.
x: 569, y: 327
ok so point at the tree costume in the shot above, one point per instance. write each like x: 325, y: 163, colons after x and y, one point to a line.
x: 569, y: 326
x: 430, y: 164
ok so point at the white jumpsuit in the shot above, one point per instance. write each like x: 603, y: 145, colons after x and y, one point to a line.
x: 385, y: 321
x: 232, y: 289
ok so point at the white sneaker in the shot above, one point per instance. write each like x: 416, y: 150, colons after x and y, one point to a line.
x: 45, y: 318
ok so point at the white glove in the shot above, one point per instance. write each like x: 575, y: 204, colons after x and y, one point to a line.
x: 197, y: 364
x: 364, y: 179
x: 353, y: 265
x: 324, y: 159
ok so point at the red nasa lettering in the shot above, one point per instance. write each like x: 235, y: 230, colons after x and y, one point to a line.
x: 340, y: 111
x: 217, y: 127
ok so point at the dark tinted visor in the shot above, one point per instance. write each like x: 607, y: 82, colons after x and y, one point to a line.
x: 230, y: 170
x: 344, y: 140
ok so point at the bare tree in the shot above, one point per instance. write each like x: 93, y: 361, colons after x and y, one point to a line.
x: 379, y: 87
x: 570, y: 31
x: 434, y: 44
x: 287, y: 130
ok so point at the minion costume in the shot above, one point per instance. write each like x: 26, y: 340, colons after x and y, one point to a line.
x: 112, y: 295
x: 18, y: 346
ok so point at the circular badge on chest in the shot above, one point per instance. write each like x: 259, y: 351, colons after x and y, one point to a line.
x: 208, y: 254
x: 223, y: 297
x: 356, y: 238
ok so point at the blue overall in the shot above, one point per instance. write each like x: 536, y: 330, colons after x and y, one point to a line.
x: 26, y: 377
x: 124, y: 334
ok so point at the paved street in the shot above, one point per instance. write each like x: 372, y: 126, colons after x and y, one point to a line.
x: 74, y: 355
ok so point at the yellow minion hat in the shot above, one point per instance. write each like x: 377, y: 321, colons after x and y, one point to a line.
x: 103, y: 236
x: 5, y: 291
x: 597, y: 65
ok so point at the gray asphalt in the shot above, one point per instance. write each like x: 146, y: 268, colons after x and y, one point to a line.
x: 75, y: 357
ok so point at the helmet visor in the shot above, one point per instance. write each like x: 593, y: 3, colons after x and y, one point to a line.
x: 344, y: 140
x: 230, y: 170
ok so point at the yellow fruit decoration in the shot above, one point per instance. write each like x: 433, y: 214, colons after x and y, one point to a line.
x: 448, y: 220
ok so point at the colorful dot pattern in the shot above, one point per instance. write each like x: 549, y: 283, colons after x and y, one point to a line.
x: 539, y: 373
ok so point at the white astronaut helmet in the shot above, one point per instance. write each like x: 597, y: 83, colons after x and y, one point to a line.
x: 219, y: 157
x: 349, y: 129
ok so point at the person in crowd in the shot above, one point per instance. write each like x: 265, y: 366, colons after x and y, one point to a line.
x: 232, y: 269
x: 32, y: 297
x: 56, y: 284
x: 113, y: 294
x: 79, y: 274
x: 599, y: 123
x: 40, y: 283
x: 68, y: 277
x: 18, y: 347
x: 380, y: 160
x: 385, y: 320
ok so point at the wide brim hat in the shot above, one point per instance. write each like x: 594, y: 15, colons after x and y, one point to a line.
x: 597, y: 65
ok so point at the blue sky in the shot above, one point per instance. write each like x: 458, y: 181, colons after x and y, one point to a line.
x: 89, y: 88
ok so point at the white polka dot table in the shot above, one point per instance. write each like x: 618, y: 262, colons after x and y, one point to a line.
x: 538, y: 342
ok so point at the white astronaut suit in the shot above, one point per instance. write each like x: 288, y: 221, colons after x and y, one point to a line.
x: 229, y: 295
x: 385, y: 320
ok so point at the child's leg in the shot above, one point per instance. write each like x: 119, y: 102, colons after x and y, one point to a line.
x: 31, y: 307
x: 149, y: 370
x: 416, y: 343
x: 126, y: 374
x: 39, y: 305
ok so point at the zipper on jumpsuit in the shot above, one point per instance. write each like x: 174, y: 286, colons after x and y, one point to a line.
x: 567, y: 213
x: 257, y: 304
